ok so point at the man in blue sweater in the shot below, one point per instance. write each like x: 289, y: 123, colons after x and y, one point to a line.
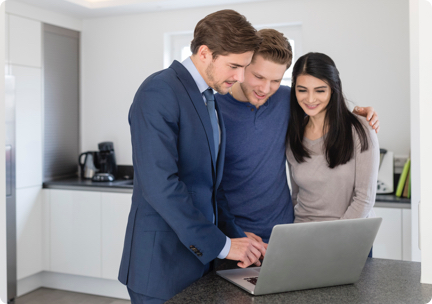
x: 256, y: 114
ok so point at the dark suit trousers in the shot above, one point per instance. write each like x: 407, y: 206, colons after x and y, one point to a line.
x: 137, y: 298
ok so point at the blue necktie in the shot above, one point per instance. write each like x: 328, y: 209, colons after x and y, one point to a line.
x: 208, y: 94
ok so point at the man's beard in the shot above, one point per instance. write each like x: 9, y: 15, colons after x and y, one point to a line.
x: 250, y: 95
x: 210, y: 76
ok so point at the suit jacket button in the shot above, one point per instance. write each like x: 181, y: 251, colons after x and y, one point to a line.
x: 194, y: 250
x: 199, y: 254
x: 191, y: 246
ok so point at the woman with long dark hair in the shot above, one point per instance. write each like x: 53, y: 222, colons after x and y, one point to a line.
x: 332, y: 153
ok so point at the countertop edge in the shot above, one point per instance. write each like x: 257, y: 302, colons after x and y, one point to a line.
x: 89, y: 188
x: 392, y: 205
x: 381, y: 201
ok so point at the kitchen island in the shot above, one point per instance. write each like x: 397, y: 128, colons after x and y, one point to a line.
x: 95, y: 234
x: 382, y: 281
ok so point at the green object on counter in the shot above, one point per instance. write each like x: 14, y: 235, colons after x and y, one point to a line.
x: 403, y: 178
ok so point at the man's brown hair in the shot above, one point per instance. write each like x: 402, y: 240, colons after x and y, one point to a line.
x: 274, y: 47
x: 225, y: 32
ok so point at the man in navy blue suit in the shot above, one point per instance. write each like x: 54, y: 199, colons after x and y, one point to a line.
x: 178, y: 144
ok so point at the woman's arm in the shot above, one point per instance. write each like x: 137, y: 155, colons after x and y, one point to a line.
x: 366, y: 175
x: 294, y: 187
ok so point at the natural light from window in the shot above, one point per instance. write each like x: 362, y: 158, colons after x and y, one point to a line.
x: 185, y: 53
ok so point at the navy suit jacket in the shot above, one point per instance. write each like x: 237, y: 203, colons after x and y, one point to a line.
x: 170, y: 235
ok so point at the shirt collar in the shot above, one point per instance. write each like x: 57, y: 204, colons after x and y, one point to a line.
x: 200, y: 82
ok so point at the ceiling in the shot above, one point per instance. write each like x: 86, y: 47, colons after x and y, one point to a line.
x: 83, y: 9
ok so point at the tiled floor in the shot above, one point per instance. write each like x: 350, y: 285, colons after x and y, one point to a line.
x: 54, y: 296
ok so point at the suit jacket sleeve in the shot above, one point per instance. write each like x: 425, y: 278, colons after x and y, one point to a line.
x: 154, y: 119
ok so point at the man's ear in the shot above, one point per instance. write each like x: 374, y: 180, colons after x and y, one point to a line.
x: 204, y: 54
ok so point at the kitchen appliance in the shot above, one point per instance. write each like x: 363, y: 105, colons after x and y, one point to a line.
x: 89, y: 163
x: 385, y: 173
x: 107, y: 163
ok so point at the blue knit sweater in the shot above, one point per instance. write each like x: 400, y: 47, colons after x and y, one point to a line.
x: 254, y: 178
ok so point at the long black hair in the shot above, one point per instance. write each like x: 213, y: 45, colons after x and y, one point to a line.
x: 338, y: 121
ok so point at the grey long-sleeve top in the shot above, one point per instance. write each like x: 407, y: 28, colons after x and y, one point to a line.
x: 344, y: 192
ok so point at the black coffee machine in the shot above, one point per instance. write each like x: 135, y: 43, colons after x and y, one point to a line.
x: 107, y: 163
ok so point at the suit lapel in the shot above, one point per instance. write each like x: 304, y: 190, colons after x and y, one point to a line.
x: 189, y: 84
x: 221, y: 158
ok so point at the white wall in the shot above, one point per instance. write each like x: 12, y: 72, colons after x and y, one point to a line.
x: 369, y: 41
x: 421, y: 29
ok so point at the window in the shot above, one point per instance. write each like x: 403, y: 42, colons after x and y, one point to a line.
x: 177, y: 47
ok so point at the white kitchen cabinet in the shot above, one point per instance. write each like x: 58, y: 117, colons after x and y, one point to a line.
x: 28, y: 99
x: 29, y: 218
x: 406, y: 235
x: 75, y: 232
x: 388, y: 242
x: 6, y: 41
x: 115, y: 211
x: 25, y: 42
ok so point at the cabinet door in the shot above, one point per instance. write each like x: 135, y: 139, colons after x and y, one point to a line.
x: 75, y: 228
x: 115, y: 211
x: 406, y: 234
x: 29, y: 231
x: 28, y: 97
x: 25, y: 43
x: 388, y: 242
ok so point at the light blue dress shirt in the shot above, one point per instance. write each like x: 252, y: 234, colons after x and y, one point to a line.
x: 202, y: 86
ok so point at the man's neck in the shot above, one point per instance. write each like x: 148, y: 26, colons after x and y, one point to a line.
x: 200, y: 68
x: 237, y: 92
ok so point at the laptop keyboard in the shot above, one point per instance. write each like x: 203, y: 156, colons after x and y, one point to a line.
x: 252, y: 280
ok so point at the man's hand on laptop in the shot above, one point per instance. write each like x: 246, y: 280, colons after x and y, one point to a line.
x: 255, y: 237
x: 247, y: 251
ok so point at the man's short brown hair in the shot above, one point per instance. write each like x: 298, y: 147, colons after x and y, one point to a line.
x: 225, y: 32
x: 274, y: 47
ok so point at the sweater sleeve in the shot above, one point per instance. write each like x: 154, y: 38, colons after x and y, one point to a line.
x: 294, y: 186
x: 366, y: 175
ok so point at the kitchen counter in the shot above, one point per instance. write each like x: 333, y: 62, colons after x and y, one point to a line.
x: 382, y: 281
x: 126, y: 186
x: 392, y: 201
x: 76, y: 183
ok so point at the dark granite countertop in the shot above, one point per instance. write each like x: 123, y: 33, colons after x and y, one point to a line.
x: 392, y: 201
x: 382, y: 281
x: 76, y: 183
x: 391, y: 198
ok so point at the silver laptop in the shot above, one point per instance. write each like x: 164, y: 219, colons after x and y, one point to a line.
x: 309, y: 255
